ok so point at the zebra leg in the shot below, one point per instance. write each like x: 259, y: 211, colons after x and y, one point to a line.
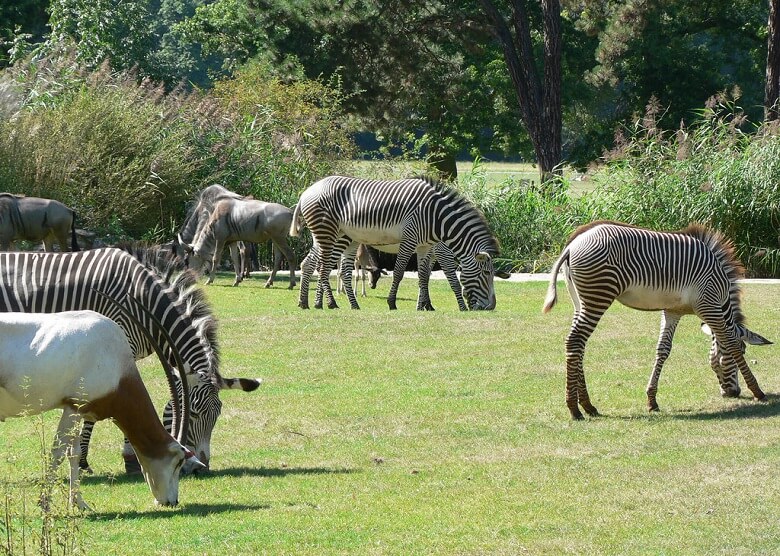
x: 65, y: 442
x: 307, y: 269
x: 730, y: 345
x: 84, y: 438
x: 669, y: 323
x: 324, y: 268
x: 583, y: 325
x: 345, y: 272
x: 401, y: 262
x: 132, y: 465
x: 424, y: 265
x: 450, y: 268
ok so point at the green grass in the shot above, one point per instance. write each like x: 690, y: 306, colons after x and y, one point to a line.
x: 379, y: 432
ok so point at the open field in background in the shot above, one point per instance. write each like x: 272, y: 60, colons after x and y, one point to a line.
x: 495, y: 172
x: 379, y: 432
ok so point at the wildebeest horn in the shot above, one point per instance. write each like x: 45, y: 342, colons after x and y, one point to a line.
x: 180, y: 409
x: 186, y: 246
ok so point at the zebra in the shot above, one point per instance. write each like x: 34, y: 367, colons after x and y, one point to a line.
x: 54, y: 282
x: 692, y: 271
x: 439, y: 251
x: 413, y: 213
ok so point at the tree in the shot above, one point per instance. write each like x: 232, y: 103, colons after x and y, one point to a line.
x: 677, y: 51
x: 772, y: 89
x: 539, y: 98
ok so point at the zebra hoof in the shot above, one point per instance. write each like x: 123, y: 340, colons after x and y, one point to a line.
x: 268, y: 284
x: 760, y: 397
x: 85, y: 468
x: 730, y: 392
x: 653, y: 408
x: 333, y: 305
x: 303, y: 305
x: 318, y: 305
x: 577, y: 416
x: 291, y: 286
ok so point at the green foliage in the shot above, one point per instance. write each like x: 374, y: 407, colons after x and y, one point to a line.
x: 713, y: 172
x: 531, y: 223
x: 287, y: 134
x: 127, y: 156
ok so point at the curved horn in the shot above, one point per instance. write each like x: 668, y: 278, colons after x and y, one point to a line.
x: 186, y: 246
x: 180, y: 409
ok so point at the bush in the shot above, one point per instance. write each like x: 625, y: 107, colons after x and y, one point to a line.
x: 714, y: 173
x: 531, y: 223
x: 127, y: 156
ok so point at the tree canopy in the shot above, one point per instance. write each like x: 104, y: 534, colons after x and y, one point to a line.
x: 534, y: 79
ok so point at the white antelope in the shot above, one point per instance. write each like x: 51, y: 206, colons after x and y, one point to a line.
x: 81, y: 362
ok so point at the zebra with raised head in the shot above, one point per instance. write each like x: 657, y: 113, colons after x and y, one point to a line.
x: 693, y: 271
x: 54, y: 282
x: 413, y: 213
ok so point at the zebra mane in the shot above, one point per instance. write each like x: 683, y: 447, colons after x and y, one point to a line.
x: 183, y: 290
x: 158, y: 258
x: 724, y: 251
x: 461, y: 202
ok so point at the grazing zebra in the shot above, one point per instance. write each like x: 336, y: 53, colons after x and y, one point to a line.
x: 412, y: 213
x: 693, y: 271
x: 54, y: 282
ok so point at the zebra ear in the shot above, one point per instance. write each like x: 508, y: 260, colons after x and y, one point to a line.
x: 482, y: 256
x: 706, y: 329
x: 752, y: 338
x: 503, y: 274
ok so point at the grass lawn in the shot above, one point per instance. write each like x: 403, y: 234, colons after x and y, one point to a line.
x: 379, y: 432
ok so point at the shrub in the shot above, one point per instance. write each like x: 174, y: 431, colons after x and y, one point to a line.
x: 531, y: 223
x: 714, y: 173
x: 127, y: 156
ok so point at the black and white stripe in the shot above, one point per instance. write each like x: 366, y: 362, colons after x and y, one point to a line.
x: 693, y: 271
x: 52, y: 282
x: 413, y: 214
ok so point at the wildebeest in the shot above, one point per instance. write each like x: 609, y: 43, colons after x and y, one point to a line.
x: 246, y: 220
x: 36, y: 219
x: 198, y: 217
x: 81, y: 362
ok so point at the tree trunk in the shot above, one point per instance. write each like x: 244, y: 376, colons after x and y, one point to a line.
x: 539, y: 99
x: 772, y: 90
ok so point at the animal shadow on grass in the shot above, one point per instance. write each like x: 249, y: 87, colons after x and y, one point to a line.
x: 273, y: 472
x: 205, y: 509
x: 770, y: 407
x: 111, y: 479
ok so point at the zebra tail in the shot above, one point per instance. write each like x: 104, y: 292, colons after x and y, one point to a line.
x: 295, y: 225
x: 552, y: 288
x: 74, y: 246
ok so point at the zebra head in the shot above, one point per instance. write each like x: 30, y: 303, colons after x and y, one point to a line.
x: 476, y: 278
x: 206, y: 408
x: 723, y: 364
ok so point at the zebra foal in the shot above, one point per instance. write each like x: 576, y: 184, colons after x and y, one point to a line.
x: 693, y: 271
